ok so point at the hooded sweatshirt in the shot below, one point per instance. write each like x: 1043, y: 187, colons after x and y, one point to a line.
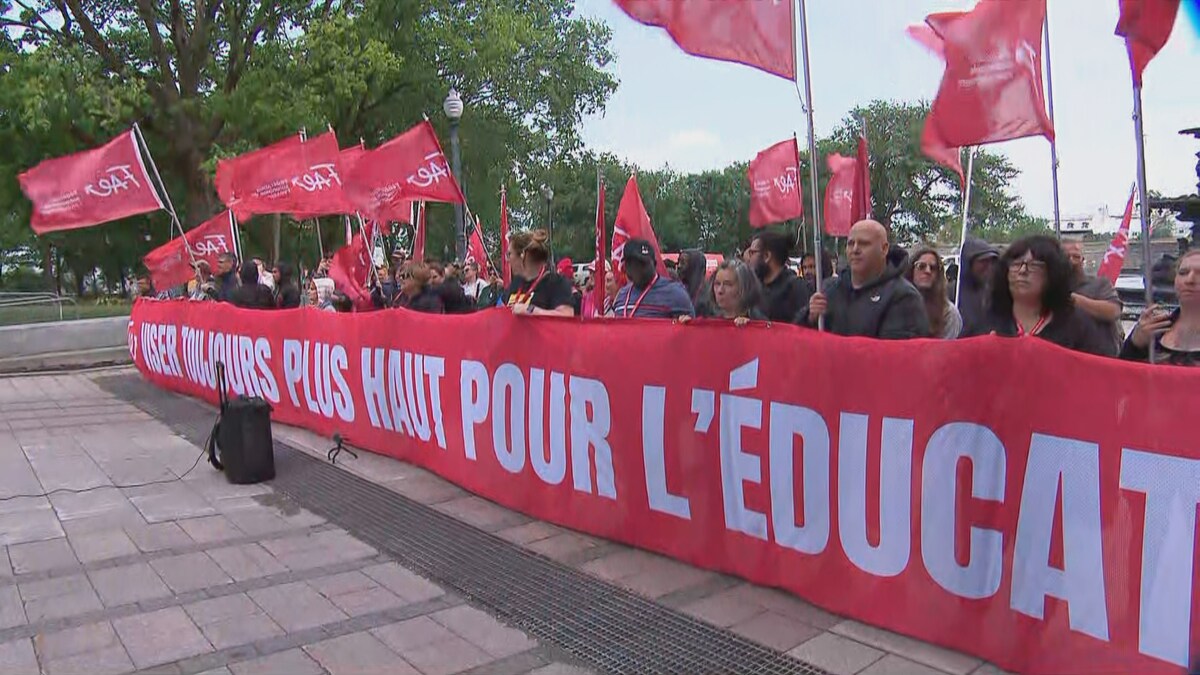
x: 251, y: 294
x: 973, y: 296
x: 888, y: 307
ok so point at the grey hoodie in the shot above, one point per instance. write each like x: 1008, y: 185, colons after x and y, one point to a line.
x: 973, y: 296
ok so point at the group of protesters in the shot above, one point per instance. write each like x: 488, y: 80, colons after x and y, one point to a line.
x: 1035, y: 287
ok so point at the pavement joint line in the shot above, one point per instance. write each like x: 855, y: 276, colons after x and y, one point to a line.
x: 516, y: 664
x: 154, y: 604
x: 135, y: 558
x: 704, y: 589
x: 280, y: 643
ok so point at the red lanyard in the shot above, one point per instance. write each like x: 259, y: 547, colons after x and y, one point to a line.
x: 527, y: 296
x: 1037, y: 328
x: 625, y: 313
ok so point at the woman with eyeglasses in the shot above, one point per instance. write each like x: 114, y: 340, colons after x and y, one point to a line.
x: 1176, y: 334
x: 416, y: 292
x: 1031, y: 297
x: 928, y: 275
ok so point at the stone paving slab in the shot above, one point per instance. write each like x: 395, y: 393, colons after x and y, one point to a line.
x: 198, y: 575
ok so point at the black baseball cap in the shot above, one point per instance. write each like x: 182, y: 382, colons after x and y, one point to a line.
x: 639, y: 249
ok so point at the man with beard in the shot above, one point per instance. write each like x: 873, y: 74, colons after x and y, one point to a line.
x: 784, y: 293
x: 978, y: 260
x: 1094, y: 296
x: 874, y: 299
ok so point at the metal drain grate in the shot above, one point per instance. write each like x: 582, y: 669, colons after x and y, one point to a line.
x: 603, y: 625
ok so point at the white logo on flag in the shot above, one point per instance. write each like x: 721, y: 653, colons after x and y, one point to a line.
x: 115, y: 179
x: 320, y: 177
x: 212, y: 243
x: 431, y: 174
x: 786, y: 184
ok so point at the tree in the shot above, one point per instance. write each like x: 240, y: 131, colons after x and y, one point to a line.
x: 209, y: 79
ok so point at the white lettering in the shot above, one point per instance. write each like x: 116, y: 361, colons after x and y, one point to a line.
x: 890, y: 557
x: 788, y: 422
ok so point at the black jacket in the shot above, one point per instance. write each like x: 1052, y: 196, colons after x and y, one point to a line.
x: 289, y: 292
x: 384, y: 294
x: 1070, y: 328
x: 784, y: 297
x: 226, y: 284
x: 973, y: 303
x: 889, y: 308
x: 428, y: 301
x: 454, y: 299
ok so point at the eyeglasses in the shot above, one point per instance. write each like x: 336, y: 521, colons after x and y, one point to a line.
x: 1029, y: 266
x: 925, y: 267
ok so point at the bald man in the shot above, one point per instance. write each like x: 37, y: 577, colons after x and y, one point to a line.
x: 874, y: 299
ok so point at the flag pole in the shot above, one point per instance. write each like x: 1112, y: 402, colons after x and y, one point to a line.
x: 1143, y: 208
x: 806, y: 101
x: 1053, y: 141
x: 161, y: 186
x: 962, y: 240
x: 237, y: 236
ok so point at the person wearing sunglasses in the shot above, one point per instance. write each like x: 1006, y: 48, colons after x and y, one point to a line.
x: 1031, y: 297
x: 928, y: 275
x: 417, y: 292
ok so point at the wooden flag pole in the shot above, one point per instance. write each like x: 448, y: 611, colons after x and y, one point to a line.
x: 1053, y: 142
x: 806, y: 102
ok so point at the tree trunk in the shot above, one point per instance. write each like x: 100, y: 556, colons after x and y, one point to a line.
x: 278, y: 227
x: 47, y: 264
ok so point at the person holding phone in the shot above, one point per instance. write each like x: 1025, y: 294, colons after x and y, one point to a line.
x: 1176, y: 334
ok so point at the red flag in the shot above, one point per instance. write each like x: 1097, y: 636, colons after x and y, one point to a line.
x: 90, y: 187
x: 170, y: 265
x: 350, y: 269
x: 410, y: 166
x: 839, y: 195
x: 1146, y: 26
x: 1114, y: 257
x: 933, y: 145
x: 600, y: 263
x: 634, y: 223
x: 992, y: 87
x: 476, y: 251
x: 754, y: 33
x: 862, y: 182
x: 418, y: 253
x: 505, y: 270
x: 291, y: 176
x: 775, y: 194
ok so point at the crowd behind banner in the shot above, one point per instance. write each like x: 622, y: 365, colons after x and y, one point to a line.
x: 1035, y: 287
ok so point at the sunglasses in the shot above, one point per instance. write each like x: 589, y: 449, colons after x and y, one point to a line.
x: 925, y: 267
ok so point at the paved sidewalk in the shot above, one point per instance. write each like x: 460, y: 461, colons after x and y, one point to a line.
x: 197, y: 575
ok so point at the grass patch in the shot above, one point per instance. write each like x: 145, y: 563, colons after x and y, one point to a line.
x: 11, y: 316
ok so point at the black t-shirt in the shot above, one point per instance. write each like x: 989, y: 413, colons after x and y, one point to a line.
x: 550, y: 291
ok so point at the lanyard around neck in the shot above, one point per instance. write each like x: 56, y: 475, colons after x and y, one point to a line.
x: 625, y: 312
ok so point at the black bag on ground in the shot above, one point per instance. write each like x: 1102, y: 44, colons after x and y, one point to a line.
x: 242, y: 437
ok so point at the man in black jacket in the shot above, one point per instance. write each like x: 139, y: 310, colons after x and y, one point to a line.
x: 251, y: 294
x: 784, y: 293
x: 874, y: 299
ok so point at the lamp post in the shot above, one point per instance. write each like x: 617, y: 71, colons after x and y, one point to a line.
x: 453, y: 107
x: 548, y: 193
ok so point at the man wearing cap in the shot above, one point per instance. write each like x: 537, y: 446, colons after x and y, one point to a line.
x: 648, y: 295
x: 978, y: 260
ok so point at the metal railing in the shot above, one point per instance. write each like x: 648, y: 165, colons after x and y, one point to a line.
x: 10, y: 300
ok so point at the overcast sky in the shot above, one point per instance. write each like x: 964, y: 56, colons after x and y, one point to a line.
x: 696, y: 114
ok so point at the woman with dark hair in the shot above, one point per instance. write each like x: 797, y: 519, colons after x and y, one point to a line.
x: 929, y: 276
x: 537, y: 289
x: 416, y: 291
x: 1176, y: 334
x: 1031, y: 297
x: 251, y: 294
x: 693, y: 270
x: 735, y: 294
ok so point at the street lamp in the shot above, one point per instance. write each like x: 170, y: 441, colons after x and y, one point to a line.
x: 548, y: 193
x: 453, y: 107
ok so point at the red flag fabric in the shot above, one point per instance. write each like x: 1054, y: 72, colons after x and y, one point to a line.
x: 1114, y: 257
x: 476, y: 251
x: 291, y: 176
x: 775, y: 194
x: 933, y: 145
x: 992, y: 87
x: 839, y: 195
x: 418, y: 253
x: 1146, y: 26
x: 757, y: 34
x: 170, y: 265
x: 351, y: 268
x: 600, y: 262
x: 634, y: 223
x: 410, y: 166
x: 862, y: 182
x: 505, y: 270
x: 90, y: 187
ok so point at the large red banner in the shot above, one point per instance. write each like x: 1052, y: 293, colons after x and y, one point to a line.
x: 90, y: 187
x: 1029, y: 505
x: 171, y: 264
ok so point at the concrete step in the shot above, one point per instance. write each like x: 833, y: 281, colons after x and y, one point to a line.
x: 66, y: 360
